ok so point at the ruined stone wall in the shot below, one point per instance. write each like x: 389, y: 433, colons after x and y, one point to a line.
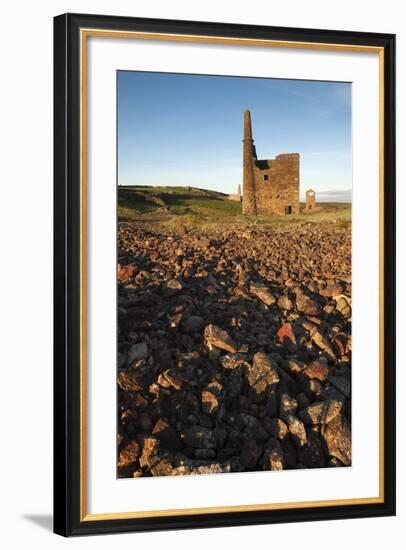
x: 277, y: 185
x: 310, y: 200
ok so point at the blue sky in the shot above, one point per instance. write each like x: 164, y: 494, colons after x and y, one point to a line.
x: 178, y: 129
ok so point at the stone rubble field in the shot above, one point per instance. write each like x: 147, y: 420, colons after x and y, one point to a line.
x: 234, y: 349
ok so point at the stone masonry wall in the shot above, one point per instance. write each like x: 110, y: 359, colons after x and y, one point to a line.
x: 310, y: 200
x: 277, y: 185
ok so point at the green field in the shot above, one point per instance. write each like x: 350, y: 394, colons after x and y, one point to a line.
x: 194, y: 207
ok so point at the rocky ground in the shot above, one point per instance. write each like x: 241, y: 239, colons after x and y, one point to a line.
x: 234, y: 349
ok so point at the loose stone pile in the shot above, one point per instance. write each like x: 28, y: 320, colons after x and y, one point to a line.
x: 234, y: 349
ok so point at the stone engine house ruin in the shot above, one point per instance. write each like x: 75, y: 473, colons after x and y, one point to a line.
x: 271, y: 186
x: 310, y: 200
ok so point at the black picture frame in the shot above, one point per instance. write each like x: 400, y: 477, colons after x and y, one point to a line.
x: 67, y: 353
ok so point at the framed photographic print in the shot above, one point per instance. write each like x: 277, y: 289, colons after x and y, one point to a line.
x: 224, y: 274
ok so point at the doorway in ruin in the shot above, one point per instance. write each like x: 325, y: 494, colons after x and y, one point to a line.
x: 288, y: 209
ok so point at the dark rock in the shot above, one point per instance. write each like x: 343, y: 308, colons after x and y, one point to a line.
x: 277, y: 428
x: 204, y: 454
x: 250, y: 453
x: 234, y: 382
x: 193, y: 323
x: 254, y: 427
x: 271, y: 404
x: 226, y: 453
x: 289, y: 453
x: 302, y: 400
x: 311, y: 455
x: 199, y: 437
x: 167, y: 436
x: 137, y: 352
x: 341, y: 383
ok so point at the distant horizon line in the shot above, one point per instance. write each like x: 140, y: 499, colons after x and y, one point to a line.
x: 340, y: 195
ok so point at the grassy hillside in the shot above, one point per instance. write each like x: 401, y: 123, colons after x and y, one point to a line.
x: 136, y: 200
x: 194, y: 207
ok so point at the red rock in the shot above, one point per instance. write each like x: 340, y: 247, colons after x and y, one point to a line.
x: 126, y: 272
x: 317, y: 369
x: 287, y: 337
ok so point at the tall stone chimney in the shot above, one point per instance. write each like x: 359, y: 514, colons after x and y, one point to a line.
x: 248, y: 198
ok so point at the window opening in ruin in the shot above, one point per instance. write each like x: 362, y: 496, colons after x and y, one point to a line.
x: 288, y: 210
x: 266, y: 177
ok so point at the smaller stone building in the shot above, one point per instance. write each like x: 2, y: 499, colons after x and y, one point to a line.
x: 310, y: 201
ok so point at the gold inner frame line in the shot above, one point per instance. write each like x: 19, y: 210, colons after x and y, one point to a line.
x: 84, y: 34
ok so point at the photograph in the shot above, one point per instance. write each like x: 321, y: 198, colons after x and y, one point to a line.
x: 234, y: 266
